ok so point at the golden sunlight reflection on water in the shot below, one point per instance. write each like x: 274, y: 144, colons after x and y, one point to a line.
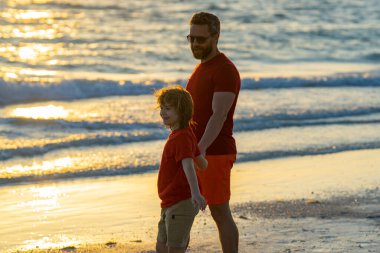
x: 13, y: 15
x: 41, y: 112
x: 32, y: 53
x: 34, y: 32
x: 14, y: 3
x: 56, y: 165
x: 42, y: 199
x: 48, y: 242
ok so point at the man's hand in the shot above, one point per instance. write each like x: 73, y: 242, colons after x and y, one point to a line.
x: 201, y: 162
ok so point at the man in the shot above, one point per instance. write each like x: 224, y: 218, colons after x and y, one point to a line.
x: 214, y: 86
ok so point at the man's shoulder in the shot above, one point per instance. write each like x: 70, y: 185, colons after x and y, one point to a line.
x: 226, y: 64
x: 226, y: 60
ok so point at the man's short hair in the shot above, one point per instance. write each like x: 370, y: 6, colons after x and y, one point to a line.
x: 205, y: 18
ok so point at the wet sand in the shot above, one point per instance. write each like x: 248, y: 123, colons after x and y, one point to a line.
x: 325, y: 203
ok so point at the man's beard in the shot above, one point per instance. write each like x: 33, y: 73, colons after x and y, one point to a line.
x: 202, y: 53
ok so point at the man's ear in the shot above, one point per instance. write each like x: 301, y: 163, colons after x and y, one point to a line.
x: 216, y: 37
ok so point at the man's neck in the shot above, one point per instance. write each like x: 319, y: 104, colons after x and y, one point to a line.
x: 211, y: 55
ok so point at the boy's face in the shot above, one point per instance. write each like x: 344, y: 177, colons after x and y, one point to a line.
x: 169, y: 116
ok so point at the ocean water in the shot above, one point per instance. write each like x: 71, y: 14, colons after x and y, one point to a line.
x: 77, y: 78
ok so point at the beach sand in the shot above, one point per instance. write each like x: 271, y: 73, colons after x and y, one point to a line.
x: 324, y: 203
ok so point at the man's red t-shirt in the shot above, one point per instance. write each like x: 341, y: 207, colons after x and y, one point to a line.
x: 218, y: 74
x: 172, y: 183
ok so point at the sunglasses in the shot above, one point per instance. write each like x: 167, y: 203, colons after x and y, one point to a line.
x: 199, y: 39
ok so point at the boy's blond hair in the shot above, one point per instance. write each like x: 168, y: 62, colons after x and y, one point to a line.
x: 180, y: 99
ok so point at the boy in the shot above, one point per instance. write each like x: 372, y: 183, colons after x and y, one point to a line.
x: 177, y: 181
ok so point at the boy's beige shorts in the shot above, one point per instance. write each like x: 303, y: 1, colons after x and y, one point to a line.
x: 175, y: 223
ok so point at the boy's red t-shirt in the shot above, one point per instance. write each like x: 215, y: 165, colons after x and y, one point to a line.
x: 172, y: 183
x: 218, y: 74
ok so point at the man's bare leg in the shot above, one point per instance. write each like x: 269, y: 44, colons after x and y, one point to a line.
x: 228, y: 232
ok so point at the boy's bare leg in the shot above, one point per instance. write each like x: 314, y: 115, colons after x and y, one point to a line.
x: 228, y: 232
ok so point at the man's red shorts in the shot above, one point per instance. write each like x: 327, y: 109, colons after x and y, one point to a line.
x: 215, y: 180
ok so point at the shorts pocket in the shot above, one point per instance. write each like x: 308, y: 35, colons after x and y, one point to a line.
x: 178, y: 229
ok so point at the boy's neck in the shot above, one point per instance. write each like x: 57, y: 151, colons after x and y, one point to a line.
x: 174, y: 127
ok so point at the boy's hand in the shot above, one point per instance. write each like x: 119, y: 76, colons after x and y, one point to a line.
x: 197, y: 198
x: 200, y: 201
x: 200, y: 168
x: 201, y: 162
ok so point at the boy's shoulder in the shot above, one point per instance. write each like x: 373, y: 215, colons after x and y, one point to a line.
x: 183, y: 133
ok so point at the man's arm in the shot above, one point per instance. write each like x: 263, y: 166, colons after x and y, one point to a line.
x: 221, y: 105
x: 188, y: 168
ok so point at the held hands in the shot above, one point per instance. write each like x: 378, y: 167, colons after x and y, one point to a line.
x: 201, y: 162
x: 200, y: 201
x: 188, y: 168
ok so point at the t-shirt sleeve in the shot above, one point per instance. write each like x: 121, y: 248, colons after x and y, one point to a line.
x: 184, y: 147
x: 226, y: 79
